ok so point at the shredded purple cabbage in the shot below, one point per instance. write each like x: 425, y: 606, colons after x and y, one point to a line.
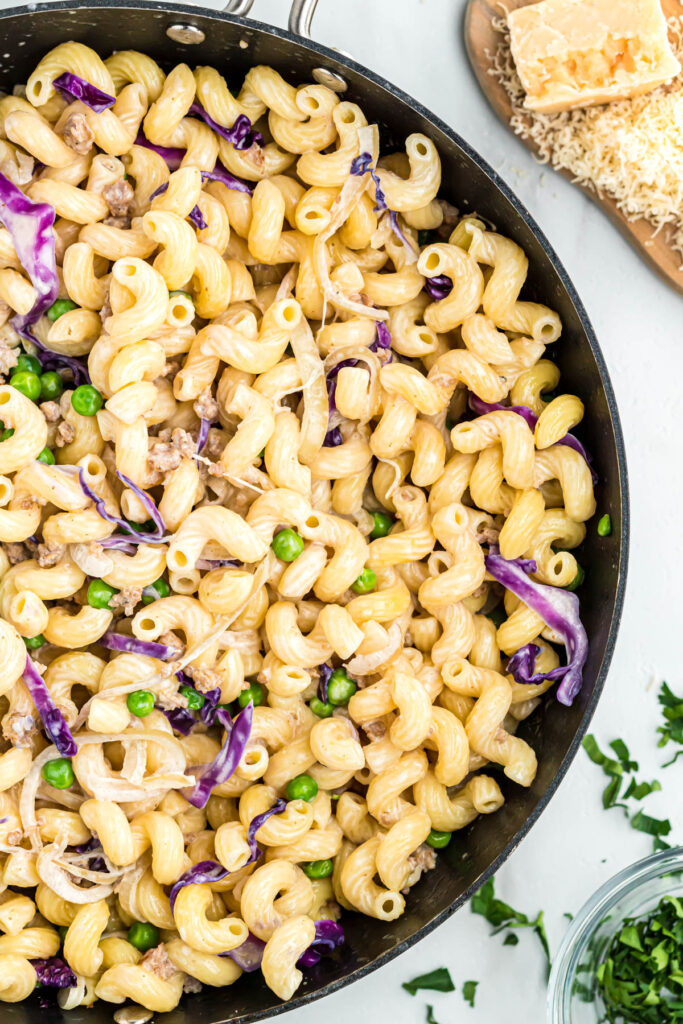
x: 228, y: 757
x: 477, y: 405
x: 521, y: 666
x: 131, y: 644
x: 382, y: 337
x: 132, y: 536
x: 362, y: 164
x: 333, y: 438
x: 30, y: 227
x: 209, y: 709
x: 55, y: 361
x: 182, y: 720
x: 438, y: 287
x: 203, y: 434
x: 220, y: 173
x: 324, y: 673
x: 52, y: 972
x: 249, y: 955
x: 52, y: 718
x: 255, y: 824
x: 329, y: 935
x: 72, y: 87
x: 242, y: 135
x: 558, y: 608
x: 92, y: 845
x: 172, y: 155
x: 201, y: 872
x: 215, y: 563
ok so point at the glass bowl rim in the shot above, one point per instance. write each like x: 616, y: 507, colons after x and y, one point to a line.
x: 634, y: 876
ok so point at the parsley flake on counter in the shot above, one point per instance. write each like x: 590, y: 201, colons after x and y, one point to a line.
x: 469, y: 990
x: 431, y: 1019
x: 501, y: 916
x: 438, y: 980
x: 672, y: 730
x: 641, y: 976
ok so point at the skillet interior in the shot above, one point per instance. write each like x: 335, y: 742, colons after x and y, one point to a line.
x: 554, y: 731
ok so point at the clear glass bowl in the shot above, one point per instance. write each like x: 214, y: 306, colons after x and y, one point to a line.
x: 572, y: 991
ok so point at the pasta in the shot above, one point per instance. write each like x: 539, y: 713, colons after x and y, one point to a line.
x: 285, y: 517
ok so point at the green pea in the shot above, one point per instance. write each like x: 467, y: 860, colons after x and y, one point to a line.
x: 143, y: 935
x: 497, y: 615
x: 100, y: 594
x: 51, y: 386
x: 578, y: 579
x: 254, y: 692
x: 382, y: 523
x: 156, y: 590
x: 140, y: 703
x: 319, y: 708
x: 426, y: 237
x: 548, y: 396
x: 28, y: 364
x: 340, y: 688
x: 47, y: 457
x: 303, y: 787
x: 195, y: 700
x: 59, y: 308
x: 438, y: 839
x: 318, y: 868
x: 366, y: 582
x: 27, y: 383
x: 86, y: 400
x: 34, y: 642
x: 58, y: 773
x: 287, y: 545
x: 605, y: 526
x: 6, y: 434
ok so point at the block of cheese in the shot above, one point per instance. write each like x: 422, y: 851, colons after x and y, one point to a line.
x: 576, y: 53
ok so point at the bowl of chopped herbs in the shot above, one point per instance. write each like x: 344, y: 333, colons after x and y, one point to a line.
x: 621, y: 961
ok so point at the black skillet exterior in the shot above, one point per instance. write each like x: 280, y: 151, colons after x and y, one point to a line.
x: 556, y: 732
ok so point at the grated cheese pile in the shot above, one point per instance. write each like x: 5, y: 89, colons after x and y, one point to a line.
x: 631, y: 150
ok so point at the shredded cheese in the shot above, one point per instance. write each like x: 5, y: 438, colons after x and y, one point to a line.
x: 631, y: 150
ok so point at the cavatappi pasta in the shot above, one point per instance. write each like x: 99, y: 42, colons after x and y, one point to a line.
x: 267, y: 421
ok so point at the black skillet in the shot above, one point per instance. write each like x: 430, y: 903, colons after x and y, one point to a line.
x: 171, y: 33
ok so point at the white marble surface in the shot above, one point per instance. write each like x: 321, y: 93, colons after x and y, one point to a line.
x: 576, y: 845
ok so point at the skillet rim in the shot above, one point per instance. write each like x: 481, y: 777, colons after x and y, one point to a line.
x: 343, y: 61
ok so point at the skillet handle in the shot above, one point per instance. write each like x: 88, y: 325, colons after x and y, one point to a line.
x: 300, y: 16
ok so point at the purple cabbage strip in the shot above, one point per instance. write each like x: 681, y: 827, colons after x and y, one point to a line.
x: 382, y: 337
x: 324, y: 673
x: 481, y: 408
x: 558, y: 608
x: 92, y: 845
x: 116, y: 543
x: 52, y: 718
x: 182, y: 720
x: 329, y: 935
x: 53, y: 972
x: 255, y: 824
x: 201, y: 872
x: 172, y: 155
x: 333, y: 438
x: 396, y: 228
x: 209, y: 709
x: 241, y: 135
x: 131, y: 644
x: 438, y: 287
x: 195, y: 214
x: 249, y: 955
x: 203, y: 434
x: 72, y: 87
x: 55, y: 361
x: 132, y: 536
x: 522, y: 664
x: 363, y: 165
x: 227, y: 759
x: 30, y: 227
x: 219, y: 173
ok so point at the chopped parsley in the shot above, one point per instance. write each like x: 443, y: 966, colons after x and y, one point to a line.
x: 431, y: 1019
x: 641, y: 976
x: 618, y: 769
x: 672, y: 730
x: 502, y: 917
x: 439, y: 981
x: 469, y: 990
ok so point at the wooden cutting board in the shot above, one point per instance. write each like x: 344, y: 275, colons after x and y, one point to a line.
x: 482, y: 40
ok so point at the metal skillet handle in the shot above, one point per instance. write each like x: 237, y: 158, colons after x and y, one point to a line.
x: 300, y: 16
